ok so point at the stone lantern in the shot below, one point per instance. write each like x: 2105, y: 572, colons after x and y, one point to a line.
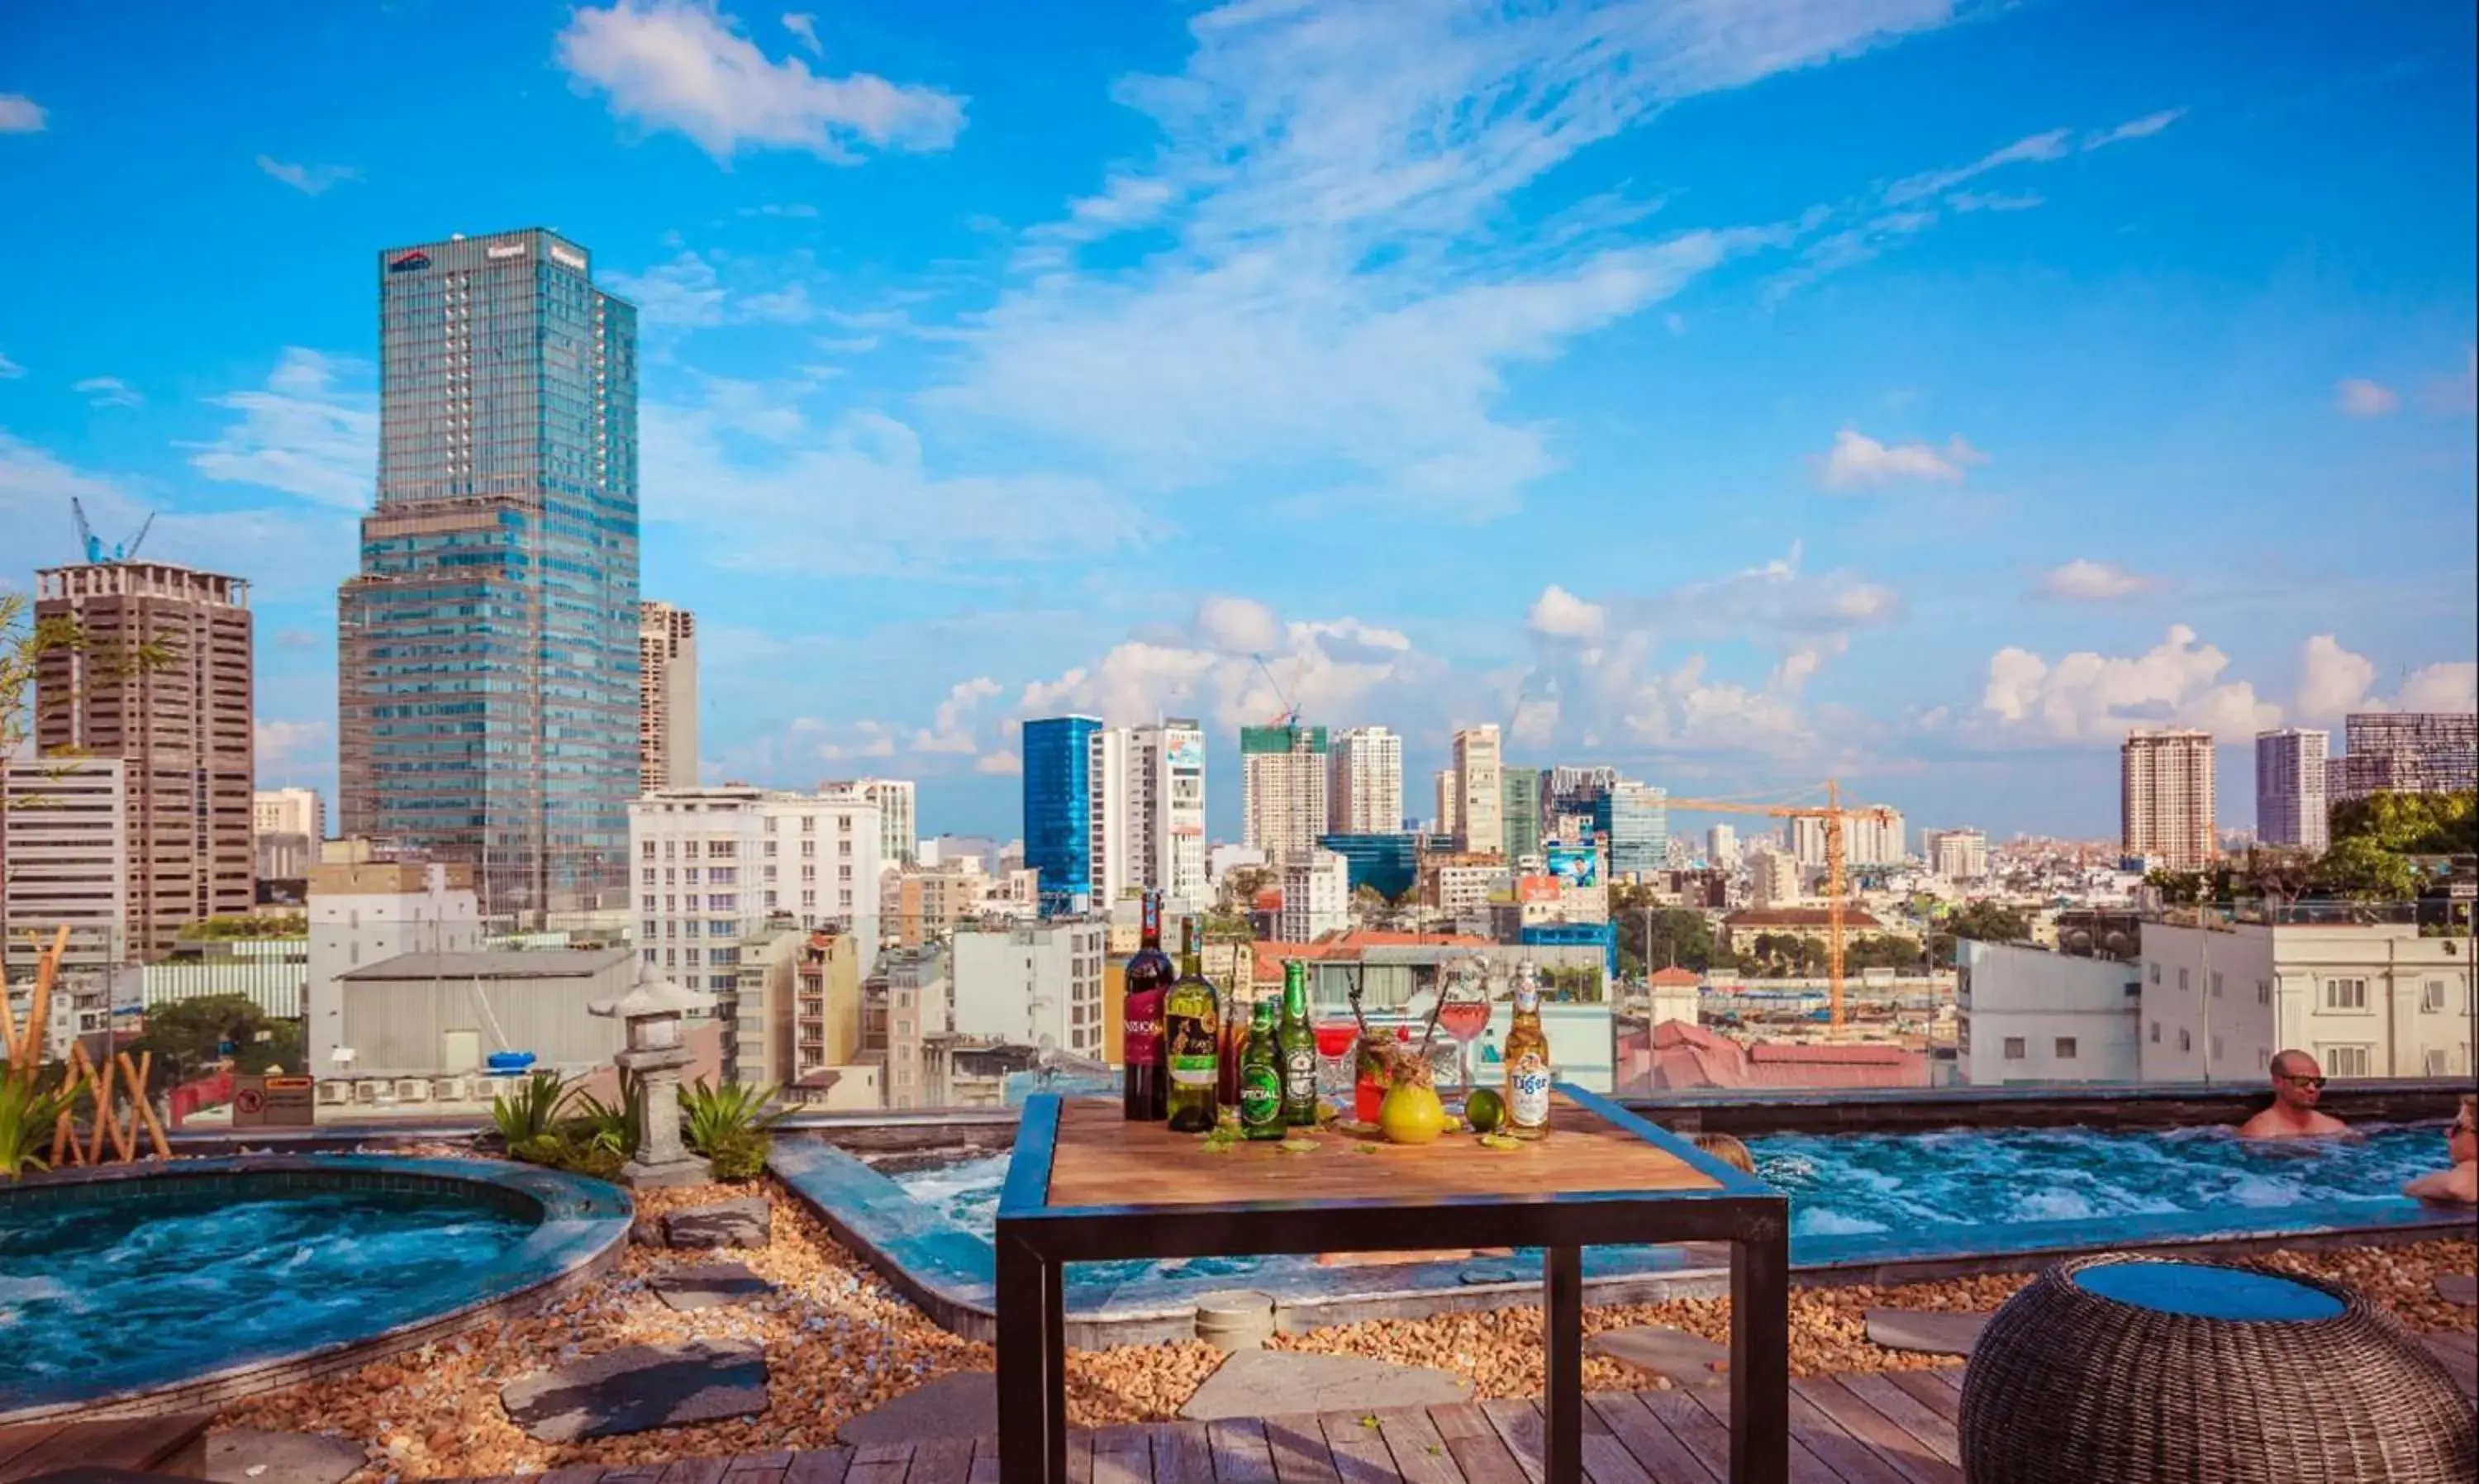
x: 650, y: 1013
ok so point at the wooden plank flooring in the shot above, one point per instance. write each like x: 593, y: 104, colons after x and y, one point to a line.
x: 1889, y: 1427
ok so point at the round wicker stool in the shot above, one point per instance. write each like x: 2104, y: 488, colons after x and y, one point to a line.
x: 2120, y: 1368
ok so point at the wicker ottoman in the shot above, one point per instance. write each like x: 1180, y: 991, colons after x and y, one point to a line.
x: 2119, y: 1369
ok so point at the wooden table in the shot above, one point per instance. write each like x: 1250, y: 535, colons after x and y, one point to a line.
x: 1085, y: 1186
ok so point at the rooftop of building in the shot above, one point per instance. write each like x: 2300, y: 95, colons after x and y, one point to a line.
x: 1798, y: 917
x: 493, y: 963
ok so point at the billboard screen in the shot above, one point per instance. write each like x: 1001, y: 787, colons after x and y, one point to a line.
x: 1185, y: 750
x: 1574, y: 865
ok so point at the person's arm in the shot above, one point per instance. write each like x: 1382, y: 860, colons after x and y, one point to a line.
x: 2442, y: 1186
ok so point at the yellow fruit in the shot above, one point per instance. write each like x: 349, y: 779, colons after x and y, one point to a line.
x: 1411, y: 1115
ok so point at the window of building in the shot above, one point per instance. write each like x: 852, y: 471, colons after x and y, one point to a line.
x: 808, y: 848
x: 2217, y: 984
x: 650, y: 902
x: 809, y: 824
x: 2431, y: 998
x: 2185, y: 1040
x: 689, y: 876
x: 688, y: 849
x: 650, y: 871
x: 2065, y: 1048
x: 651, y: 929
x: 647, y: 851
x: 652, y: 953
x: 2216, y: 1048
x: 670, y: 958
x: 770, y: 900
x: 694, y: 955
x: 669, y: 849
x: 671, y: 876
x: 770, y: 827
x: 2437, y: 1062
x: 808, y: 899
x: 2263, y: 1059
x: 727, y: 901
x: 2155, y: 972
x: 721, y: 850
x: 2155, y: 1033
x: 2344, y: 1060
x: 723, y: 876
x: 2014, y: 1051
x: 2263, y: 992
x: 671, y: 902
x: 843, y: 898
x: 770, y: 850
x: 2345, y: 994
x: 770, y: 873
x: 843, y: 847
x: 2181, y: 979
x: 843, y: 873
x: 843, y: 822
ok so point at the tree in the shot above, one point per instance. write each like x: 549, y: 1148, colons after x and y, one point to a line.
x: 1656, y: 937
x: 25, y: 639
x: 2276, y: 874
x: 1989, y: 922
x: 2412, y: 824
x: 187, y: 1038
x: 2364, y: 871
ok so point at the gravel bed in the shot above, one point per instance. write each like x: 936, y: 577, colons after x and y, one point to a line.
x: 839, y: 1342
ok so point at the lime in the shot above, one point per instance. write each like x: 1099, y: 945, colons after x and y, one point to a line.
x: 1484, y: 1110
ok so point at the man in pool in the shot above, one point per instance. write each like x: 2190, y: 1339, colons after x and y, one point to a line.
x: 2459, y: 1184
x: 2297, y: 1087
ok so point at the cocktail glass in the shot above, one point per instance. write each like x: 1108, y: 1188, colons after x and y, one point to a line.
x: 1463, y: 1013
x: 1334, y: 1040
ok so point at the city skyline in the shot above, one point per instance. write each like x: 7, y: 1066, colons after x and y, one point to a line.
x: 1730, y: 482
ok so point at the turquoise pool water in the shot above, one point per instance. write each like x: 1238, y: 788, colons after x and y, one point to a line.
x: 1883, y: 1197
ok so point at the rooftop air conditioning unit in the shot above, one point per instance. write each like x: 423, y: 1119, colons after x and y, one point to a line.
x: 450, y: 1089
x: 413, y: 1089
x: 366, y: 1092
x: 334, y: 1094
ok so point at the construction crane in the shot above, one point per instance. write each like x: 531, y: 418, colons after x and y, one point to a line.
x: 92, y: 544
x: 1836, y: 882
x: 1290, y: 716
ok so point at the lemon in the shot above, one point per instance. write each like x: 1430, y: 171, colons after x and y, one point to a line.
x: 1484, y: 1110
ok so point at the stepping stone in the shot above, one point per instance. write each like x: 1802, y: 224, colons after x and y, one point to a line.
x: 1278, y: 1383
x: 1684, y: 1358
x: 964, y: 1404
x: 247, y: 1455
x: 709, y: 1286
x: 741, y: 1223
x: 638, y: 1388
x: 1926, y: 1331
x: 2458, y: 1288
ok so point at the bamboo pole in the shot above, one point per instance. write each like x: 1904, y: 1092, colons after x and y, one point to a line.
x: 137, y: 1076
x: 64, y: 1142
x: 102, y: 1108
x: 48, y: 968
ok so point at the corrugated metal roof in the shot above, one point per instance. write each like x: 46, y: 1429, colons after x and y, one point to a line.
x: 493, y: 964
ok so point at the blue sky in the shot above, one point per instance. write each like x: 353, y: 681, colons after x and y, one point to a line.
x: 1920, y: 394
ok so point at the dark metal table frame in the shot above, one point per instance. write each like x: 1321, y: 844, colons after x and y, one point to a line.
x: 1036, y: 1241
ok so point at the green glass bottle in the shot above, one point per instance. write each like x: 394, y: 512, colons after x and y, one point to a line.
x: 1261, y: 1077
x: 1298, y: 1044
x: 1191, y: 1023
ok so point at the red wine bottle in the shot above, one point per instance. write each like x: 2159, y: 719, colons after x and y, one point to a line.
x: 1143, y: 1083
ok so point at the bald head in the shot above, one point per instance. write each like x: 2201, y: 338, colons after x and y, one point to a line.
x: 2296, y: 1080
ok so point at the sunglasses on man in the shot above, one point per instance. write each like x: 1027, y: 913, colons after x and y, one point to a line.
x: 2302, y: 1081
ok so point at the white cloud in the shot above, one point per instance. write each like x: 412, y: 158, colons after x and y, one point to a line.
x: 2083, y: 580
x: 2360, y: 397
x: 307, y: 433
x: 952, y: 729
x: 2050, y: 145
x: 285, y: 748
x: 804, y: 25
x: 1857, y: 459
x: 2091, y: 697
x: 2331, y: 681
x: 1562, y: 615
x: 672, y: 63
x: 20, y: 115
x: 1236, y: 625
x: 9, y: 370
x: 2451, y: 687
x: 308, y: 179
x: 1001, y: 762
x: 2134, y: 129
x: 1995, y: 200
x: 109, y: 392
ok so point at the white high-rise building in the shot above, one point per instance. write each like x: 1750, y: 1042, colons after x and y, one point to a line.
x: 1316, y: 896
x: 64, y: 850
x: 1451, y: 803
x: 1773, y: 878
x: 363, y: 913
x: 667, y: 697
x: 1480, y: 799
x: 1365, y: 788
x: 1721, y: 846
x: 2405, y: 752
x: 1282, y: 789
x: 1956, y: 855
x: 1866, y: 841
x: 289, y: 812
x: 1163, y: 809
x: 2290, y: 807
x: 1032, y: 984
x: 710, y: 865
x: 899, y: 841
x: 2165, y: 786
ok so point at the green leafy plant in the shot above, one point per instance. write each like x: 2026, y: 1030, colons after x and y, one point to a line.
x: 564, y: 1151
x: 617, y: 1126
x: 27, y: 1119
x: 710, y: 1113
x: 740, y: 1155
x: 528, y: 1111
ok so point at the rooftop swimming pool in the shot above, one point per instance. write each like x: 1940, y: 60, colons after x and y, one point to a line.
x: 149, y: 1280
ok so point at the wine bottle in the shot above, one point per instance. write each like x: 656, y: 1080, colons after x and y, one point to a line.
x: 1148, y: 981
x: 1191, y: 1023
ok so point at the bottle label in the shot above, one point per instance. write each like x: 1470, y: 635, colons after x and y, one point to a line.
x: 1142, y: 1038
x: 1299, y: 1076
x: 1261, y: 1097
x: 1527, y: 1085
x: 1191, y: 1056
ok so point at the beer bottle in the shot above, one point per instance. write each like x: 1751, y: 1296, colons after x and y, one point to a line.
x: 1191, y: 1019
x: 1298, y: 1047
x: 1527, y: 1062
x: 1261, y: 1077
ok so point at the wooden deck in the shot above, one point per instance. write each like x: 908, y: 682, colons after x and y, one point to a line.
x: 1894, y: 1427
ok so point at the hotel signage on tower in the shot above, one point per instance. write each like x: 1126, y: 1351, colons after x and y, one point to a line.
x: 567, y: 259
x: 410, y: 262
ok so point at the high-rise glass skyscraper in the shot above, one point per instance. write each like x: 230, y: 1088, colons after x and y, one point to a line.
x: 1062, y: 808
x: 488, y: 666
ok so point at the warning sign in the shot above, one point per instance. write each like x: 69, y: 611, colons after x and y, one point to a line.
x: 272, y: 1102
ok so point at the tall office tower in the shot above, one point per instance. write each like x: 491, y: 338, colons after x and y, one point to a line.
x: 1480, y: 801
x: 64, y: 861
x: 1451, y: 803
x: 1163, y: 809
x: 667, y: 697
x: 1282, y: 789
x: 180, y: 728
x: 2289, y: 801
x: 1061, y: 804
x: 1633, y: 819
x: 1721, y: 846
x: 2406, y: 752
x: 1957, y: 854
x: 488, y: 650
x: 897, y: 814
x: 1571, y: 790
x: 1519, y: 809
x: 2165, y: 793
x: 1365, y: 784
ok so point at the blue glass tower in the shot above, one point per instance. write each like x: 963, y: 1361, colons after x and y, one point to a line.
x: 487, y: 654
x: 1634, y: 819
x: 1059, y: 809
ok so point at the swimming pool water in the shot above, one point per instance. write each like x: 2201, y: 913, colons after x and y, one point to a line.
x: 1853, y: 1185
x: 99, y: 1296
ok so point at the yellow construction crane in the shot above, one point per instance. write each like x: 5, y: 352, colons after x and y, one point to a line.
x: 1837, y: 881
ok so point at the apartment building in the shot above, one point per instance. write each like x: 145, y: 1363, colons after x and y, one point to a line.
x: 1772, y: 879
x: 2165, y: 781
x: 928, y: 903
x: 1869, y: 840
x: 712, y: 865
x: 1283, y: 775
x: 2405, y: 752
x: 64, y: 861
x: 1034, y: 984
x: 2368, y: 1000
x: 1364, y: 782
x: 758, y: 1012
x: 1316, y: 896
x: 667, y: 697
x: 2035, y: 1016
x: 905, y: 1006
x: 1480, y: 790
x: 364, y: 912
x: 1956, y: 855
x: 2291, y: 807
x: 898, y: 803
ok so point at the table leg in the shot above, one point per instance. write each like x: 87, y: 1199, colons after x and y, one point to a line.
x: 1562, y: 1403
x: 1760, y: 1357
x: 1054, y: 1367
x: 1027, y: 1382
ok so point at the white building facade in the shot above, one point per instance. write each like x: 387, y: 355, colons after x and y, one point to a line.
x: 897, y: 814
x: 361, y: 915
x: 1364, y: 782
x: 2028, y: 1014
x: 2366, y: 1000
x: 1282, y: 787
x: 710, y: 865
x: 1480, y: 789
x: 1316, y: 896
x: 1163, y: 810
x: 667, y: 697
x: 2290, y: 807
x: 64, y: 847
x: 2167, y: 795
x: 1867, y: 841
x: 1036, y: 984
x: 1956, y: 855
